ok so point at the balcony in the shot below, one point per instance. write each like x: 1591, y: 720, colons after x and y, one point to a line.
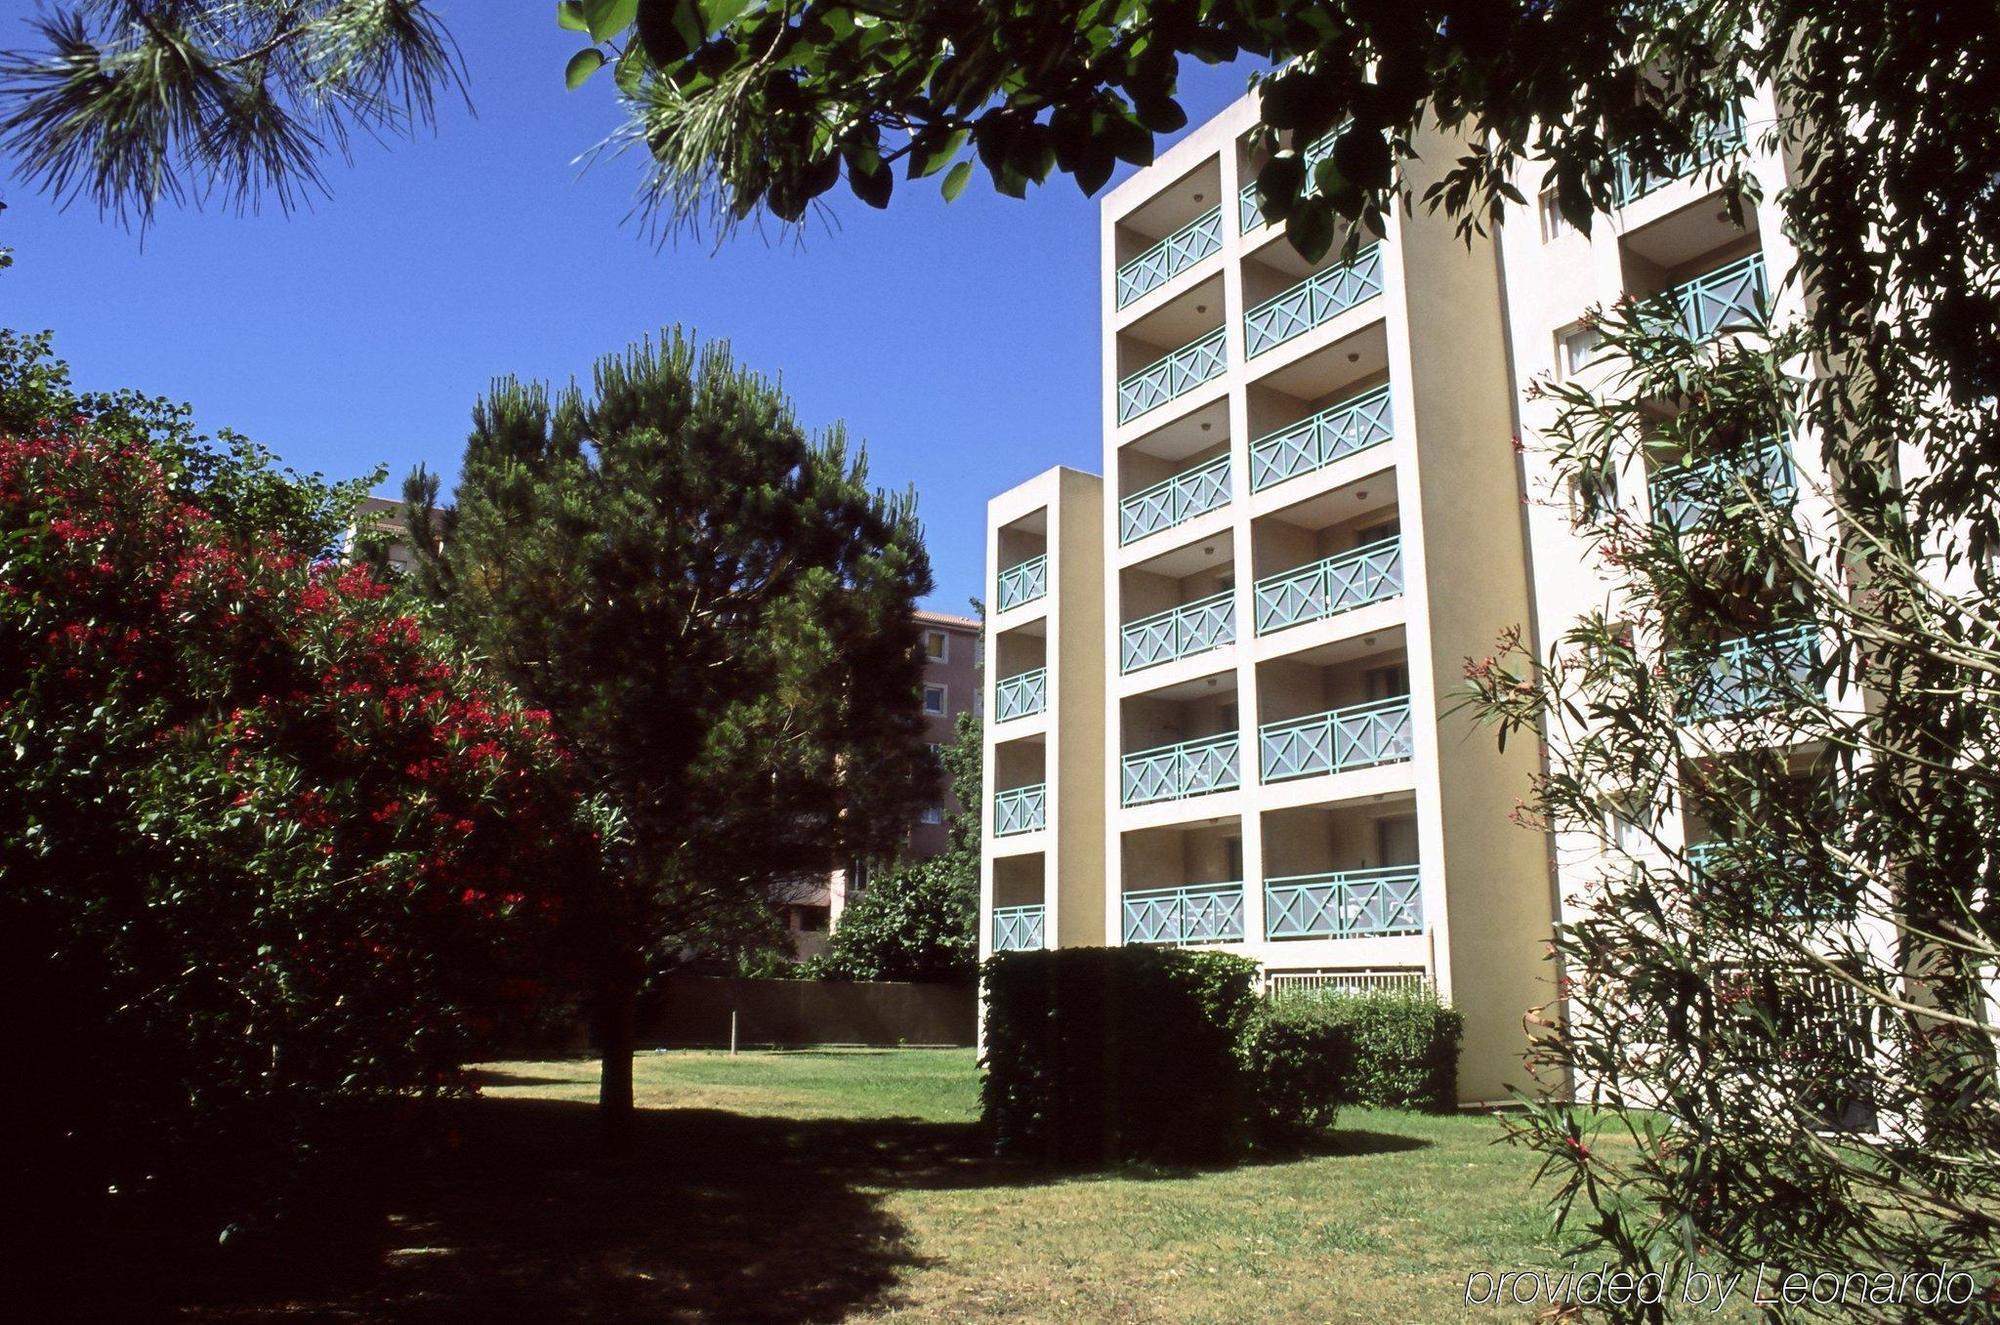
x: 1180, y: 632
x: 1376, y: 903
x: 1730, y: 297
x: 1021, y: 695
x: 1178, y: 373
x: 1316, y: 300
x: 1781, y: 887
x: 1018, y: 928
x: 1327, y: 588
x: 1170, y: 257
x: 1716, y: 142
x: 1359, y: 736
x: 1191, y: 492
x: 1250, y: 214
x: 1749, y: 674
x: 1198, y: 913
x: 1314, y: 443
x: 1175, y: 772
x: 1684, y: 496
x: 1023, y: 583
x: 1021, y: 810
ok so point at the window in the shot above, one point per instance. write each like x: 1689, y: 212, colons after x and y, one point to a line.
x: 1232, y: 847
x: 934, y: 700
x: 1553, y: 224
x: 1574, y: 346
x: 932, y: 814
x: 813, y: 919
x: 1230, y: 722
x: 937, y: 646
x: 1396, y: 841
x: 1593, y: 494
x: 1391, y: 682
x: 1375, y: 533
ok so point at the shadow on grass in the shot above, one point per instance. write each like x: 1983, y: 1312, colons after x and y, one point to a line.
x: 711, y: 1216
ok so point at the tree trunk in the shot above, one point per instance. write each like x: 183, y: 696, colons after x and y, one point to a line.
x: 617, y: 1002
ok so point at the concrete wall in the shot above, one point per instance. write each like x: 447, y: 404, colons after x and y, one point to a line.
x: 695, y: 1010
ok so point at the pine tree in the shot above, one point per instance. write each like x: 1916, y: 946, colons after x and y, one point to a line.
x: 716, y: 610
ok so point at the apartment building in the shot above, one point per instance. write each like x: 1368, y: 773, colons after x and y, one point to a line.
x: 1226, y: 675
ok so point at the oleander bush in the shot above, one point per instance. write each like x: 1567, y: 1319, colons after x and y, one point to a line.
x: 1099, y: 1055
x: 270, y: 853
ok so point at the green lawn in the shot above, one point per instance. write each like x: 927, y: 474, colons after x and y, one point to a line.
x: 849, y: 1185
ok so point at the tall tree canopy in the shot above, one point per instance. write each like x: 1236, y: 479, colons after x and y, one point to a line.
x: 716, y: 608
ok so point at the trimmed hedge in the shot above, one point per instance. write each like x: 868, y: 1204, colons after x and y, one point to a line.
x: 1095, y: 1055
x: 1299, y: 1055
x: 1401, y: 1049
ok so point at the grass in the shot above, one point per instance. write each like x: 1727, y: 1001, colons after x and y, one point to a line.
x: 851, y: 1185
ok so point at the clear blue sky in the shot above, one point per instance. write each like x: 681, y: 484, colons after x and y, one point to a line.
x: 959, y: 342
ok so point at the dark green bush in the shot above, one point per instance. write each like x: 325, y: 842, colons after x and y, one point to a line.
x: 1404, y: 1047
x: 1299, y: 1056
x: 1095, y: 1055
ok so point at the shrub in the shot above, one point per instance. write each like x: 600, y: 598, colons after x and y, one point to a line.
x: 1403, y: 1046
x: 1103, y: 1054
x: 1299, y: 1056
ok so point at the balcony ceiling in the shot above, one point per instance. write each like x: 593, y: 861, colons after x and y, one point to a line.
x: 1177, y: 204
x: 1220, y: 685
x: 1187, y: 435
x: 1372, y: 494
x: 1387, y: 640
x: 1682, y: 236
x: 1188, y: 315
x: 1192, y: 558
x: 1330, y: 371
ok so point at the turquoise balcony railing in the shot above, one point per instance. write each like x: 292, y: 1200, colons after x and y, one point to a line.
x: 1019, y: 695
x: 1315, y: 300
x: 1171, y: 256
x: 1250, y: 215
x: 1730, y: 297
x: 1718, y: 141
x: 1021, y: 810
x: 1327, y: 588
x: 1023, y: 583
x: 1750, y: 674
x: 1686, y: 495
x: 1191, y: 492
x: 1018, y: 928
x: 1207, y: 623
x: 1314, y: 443
x: 1175, y: 375
x: 1198, y: 913
x: 1174, y: 772
x: 1354, y: 737
x: 1347, y: 905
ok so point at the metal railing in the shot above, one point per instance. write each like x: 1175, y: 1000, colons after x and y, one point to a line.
x: 1355, y: 737
x: 1685, y: 495
x: 1300, y: 448
x: 1173, y: 772
x: 1191, y: 492
x: 1018, y: 928
x: 1784, y: 885
x: 1315, y: 300
x: 1250, y: 215
x: 1327, y: 588
x: 1352, y: 980
x: 1021, y: 810
x: 1345, y: 905
x: 1023, y: 583
x: 1749, y: 674
x: 1198, y: 913
x: 1712, y: 144
x: 1179, y: 632
x: 1173, y: 375
x: 1171, y: 256
x: 1021, y: 694
x: 1730, y: 297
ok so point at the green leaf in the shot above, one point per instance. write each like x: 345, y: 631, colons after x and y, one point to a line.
x: 608, y: 18
x: 871, y: 186
x: 955, y: 180
x: 631, y: 68
x: 581, y: 66
x: 569, y: 16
